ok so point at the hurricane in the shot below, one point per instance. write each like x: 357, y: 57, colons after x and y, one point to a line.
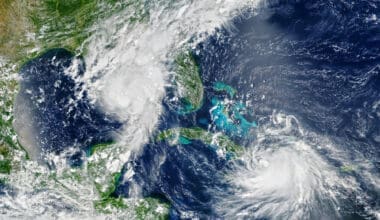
x: 201, y: 109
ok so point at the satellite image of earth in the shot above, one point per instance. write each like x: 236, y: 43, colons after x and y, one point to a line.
x: 190, y: 109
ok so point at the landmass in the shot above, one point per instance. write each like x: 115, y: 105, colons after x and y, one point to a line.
x: 188, y: 82
x: 186, y: 135
x: 29, y: 28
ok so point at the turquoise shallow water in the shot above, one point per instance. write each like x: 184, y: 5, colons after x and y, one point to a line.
x: 229, y: 119
x: 314, y: 61
x: 287, y: 77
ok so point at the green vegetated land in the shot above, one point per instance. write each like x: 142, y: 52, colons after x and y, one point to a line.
x: 28, y: 28
x: 188, y: 82
x: 106, y: 182
x: 186, y: 135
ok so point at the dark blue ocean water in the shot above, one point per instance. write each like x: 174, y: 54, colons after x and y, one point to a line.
x: 60, y: 116
x: 316, y: 60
